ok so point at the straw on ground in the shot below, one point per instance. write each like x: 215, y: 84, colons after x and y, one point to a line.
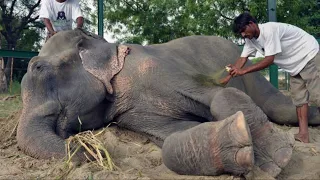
x: 88, y: 140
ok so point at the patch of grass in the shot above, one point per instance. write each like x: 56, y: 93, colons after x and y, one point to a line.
x: 10, y: 102
x: 10, y: 108
x: 12, y: 105
x: 15, y: 88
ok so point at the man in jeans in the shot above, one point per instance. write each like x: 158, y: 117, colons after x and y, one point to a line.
x: 289, y: 47
x: 58, y: 15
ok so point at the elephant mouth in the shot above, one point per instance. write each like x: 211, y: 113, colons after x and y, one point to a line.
x: 70, y: 124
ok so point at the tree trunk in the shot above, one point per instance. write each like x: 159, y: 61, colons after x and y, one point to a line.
x: 7, y: 70
x: 3, y: 80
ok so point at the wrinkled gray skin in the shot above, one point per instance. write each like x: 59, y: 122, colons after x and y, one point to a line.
x: 162, y: 91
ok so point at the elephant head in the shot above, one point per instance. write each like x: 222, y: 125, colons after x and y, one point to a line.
x: 66, y: 90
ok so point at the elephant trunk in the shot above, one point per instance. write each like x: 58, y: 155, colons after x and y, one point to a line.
x: 36, y: 132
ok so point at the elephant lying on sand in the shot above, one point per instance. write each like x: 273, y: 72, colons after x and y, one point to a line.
x: 203, y: 129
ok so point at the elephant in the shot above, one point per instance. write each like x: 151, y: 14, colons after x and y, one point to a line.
x: 155, y: 90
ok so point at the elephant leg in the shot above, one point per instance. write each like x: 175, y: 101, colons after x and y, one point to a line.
x: 272, y: 146
x: 211, y: 148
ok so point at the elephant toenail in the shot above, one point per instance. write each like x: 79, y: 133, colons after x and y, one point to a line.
x: 245, y: 158
x: 239, y: 130
x: 282, y: 156
x: 271, y: 168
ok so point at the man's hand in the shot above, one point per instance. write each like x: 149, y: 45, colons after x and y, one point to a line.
x: 225, y: 80
x: 79, y: 21
x: 52, y: 33
x: 234, y: 71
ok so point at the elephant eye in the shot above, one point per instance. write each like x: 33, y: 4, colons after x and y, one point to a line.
x: 38, y: 66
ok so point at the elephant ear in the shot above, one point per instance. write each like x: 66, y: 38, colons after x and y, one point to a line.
x: 102, y: 59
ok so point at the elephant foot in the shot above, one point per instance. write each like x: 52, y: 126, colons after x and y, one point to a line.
x: 211, y: 148
x: 273, y: 148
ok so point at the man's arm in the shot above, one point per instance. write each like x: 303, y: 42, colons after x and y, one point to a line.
x: 241, y: 62
x: 48, y: 25
x: 77, y: 14
x: 79, y: 22
x: 236, y: 71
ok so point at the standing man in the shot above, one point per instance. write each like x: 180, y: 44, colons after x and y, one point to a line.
x: 58, y: 15
x: 289, y: 47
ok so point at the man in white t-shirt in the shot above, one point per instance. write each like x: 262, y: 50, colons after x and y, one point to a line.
x: 289, y: 47
x: 58, y: 15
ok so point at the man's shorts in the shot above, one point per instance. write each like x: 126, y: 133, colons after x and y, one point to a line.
x: 306, y: 83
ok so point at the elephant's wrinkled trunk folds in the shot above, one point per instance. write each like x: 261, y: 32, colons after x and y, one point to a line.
x: 36, y: 131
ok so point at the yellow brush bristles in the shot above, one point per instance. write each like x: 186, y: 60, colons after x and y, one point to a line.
x: 228, y: 68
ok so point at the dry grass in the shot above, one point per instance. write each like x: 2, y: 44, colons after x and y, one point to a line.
x: 94, y: 147
x: 10, y: 109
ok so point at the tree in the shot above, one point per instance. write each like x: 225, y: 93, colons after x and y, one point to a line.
x: 19, y: 22
x: 17, y: 16
x: 304, y: 14
x: 3, y: 80
x: 158, y: 21
x: 90, y: 14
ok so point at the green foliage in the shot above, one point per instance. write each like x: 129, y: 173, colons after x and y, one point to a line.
x: 19, y: 20
x: 255, y: 60
x: 89, y: 14
x: 304, y: 14
x: 29, y: 40
x: 20, y: 29
x: 15, y: 88
x: 158, y: 21
x: 264, y: 72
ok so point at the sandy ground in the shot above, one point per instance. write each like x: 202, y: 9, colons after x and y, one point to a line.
x: 135, y: 157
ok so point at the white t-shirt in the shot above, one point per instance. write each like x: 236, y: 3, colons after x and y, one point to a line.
x: 293, y: 47
x: 61, y: 15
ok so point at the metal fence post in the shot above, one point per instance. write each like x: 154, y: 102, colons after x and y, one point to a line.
x: 273, y: 69
x: 100, y: 17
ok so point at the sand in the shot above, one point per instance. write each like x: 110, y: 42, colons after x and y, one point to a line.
x: 135, y: 157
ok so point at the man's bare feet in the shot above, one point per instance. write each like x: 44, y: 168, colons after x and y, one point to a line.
x: 302, y: 137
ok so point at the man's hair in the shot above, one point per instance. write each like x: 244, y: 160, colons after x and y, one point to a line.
x: 241, y: 21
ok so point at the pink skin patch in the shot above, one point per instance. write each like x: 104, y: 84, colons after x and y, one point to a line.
x: 123, y: 84
x: 123, y: 87
x: 146, y: 66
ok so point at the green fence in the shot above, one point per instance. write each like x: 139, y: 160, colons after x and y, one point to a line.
x: 17, y: 54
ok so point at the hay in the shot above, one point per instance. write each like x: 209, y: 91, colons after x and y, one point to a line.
x: 93, y: 146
